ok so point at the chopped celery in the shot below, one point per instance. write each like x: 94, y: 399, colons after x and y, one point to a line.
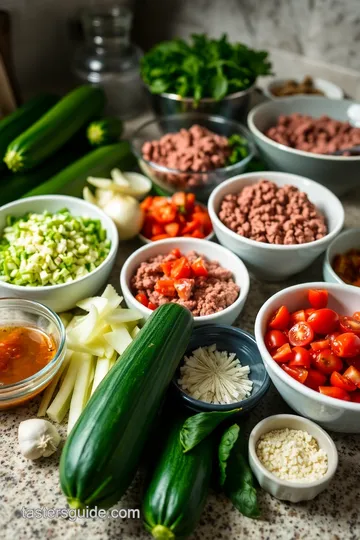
x: 119, y: 338
x: 135, y: 332
x: 49, y: 391
x: 97, y: 301
x: 82, y: 387
x: 102, y: 367
x: 123, y: 316
x: 60, y: 406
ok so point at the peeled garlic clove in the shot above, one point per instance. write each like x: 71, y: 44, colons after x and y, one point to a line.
x: 88, y: 196
x: 102, y: 183
x: 37, y: 438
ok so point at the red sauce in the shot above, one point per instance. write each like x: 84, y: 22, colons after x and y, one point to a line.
x: 23, y: 352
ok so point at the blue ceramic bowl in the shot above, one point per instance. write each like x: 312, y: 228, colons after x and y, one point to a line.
x: 232, y: 340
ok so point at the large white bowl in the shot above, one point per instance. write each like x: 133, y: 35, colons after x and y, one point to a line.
x: 211, y: 251
x: 64, y: 296
x: 333, y: 414
x: 269, y: 261
x: 349, y: 239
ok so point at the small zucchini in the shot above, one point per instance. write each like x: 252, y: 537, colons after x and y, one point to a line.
x: 104, y: 131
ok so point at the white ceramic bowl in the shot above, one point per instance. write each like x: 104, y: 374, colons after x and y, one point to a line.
x: 329, y: 89
x: 347, y: 240
x: 211, y: 251
x: 269, y: 261
x: 285, y: 489
x: 64, y: 296
x: 333, y: 414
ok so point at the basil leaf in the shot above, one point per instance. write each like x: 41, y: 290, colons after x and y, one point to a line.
x: 219, y: 85
x: 227, y: 442
x: 198, y: 427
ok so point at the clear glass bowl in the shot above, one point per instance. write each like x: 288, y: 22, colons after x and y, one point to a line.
x: 20, y: 312
x: 205, y: 181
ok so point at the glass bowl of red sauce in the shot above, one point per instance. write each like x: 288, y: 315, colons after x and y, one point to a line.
x: 32, y: 349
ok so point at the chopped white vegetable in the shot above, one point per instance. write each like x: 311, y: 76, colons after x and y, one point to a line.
x: 135, y: 332
x: 60, y: 406
x: 65, y: 318
x: 101, y: 369
x: 124, y: 316
x: 119, y: 338
x: 49, y: 391
x: 119, y: 178
x: 96, y: 301
x: 82, y: 388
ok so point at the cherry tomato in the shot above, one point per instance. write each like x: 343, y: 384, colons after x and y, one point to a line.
x: 335, y: 392
x: 355, y: 361
x: 318, y: 298
x: 350, y: 324
x: 274, y: 339
x: 181, y: 268
x: 308, y: 312
x: 165, y: 213
x: 297, y: 373
x: 172, y: 229
x: 283, y: 354
x: 142, y: 298
x: 301, y: 358
x: 356, y: 315
x: 315, y: 379
x: 355, y: 397
x: 320, y: 345
x: 353, y: 375
x: 199, y: 268
x: 175, y: 252
x: 301, y: 334
x: 332, y: 336
x: 341, y: 381
x: 166, y: 267
x: 281, y: 319
x: 327, y: 362
x: 324, y: 321
x: 152, y: 306
x: 184, y: 288
x: 298, y: 316
x: 346, y: 345
x: 166, y: 287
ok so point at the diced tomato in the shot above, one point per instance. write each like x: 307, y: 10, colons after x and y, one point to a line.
x: 356, y: 315
x: 179, y: 199
x: 197, y: 234
x: 159, y: 201
x: 184, y: 288
x: 181, y: 268
x: 142, y: 298
x: 349, y: 324
x: 166, y: 267
x: 283, y: 354
x: 165, y: 287
x: 281, y: 319
x: 341, y: 381
x: 335, y: 392
x: 165, y: 213
x: 172, y: 229
x: 146, y: 203
x: 318, y: 298
x: 298, y: 316
x: 327, y: 362
x: 324, y: 321
x: 355, y: 396
x: 315, y: 379
x: 189, y: 227
x: 297, y: 373
x: 152, y: 306
x: 275, y: 339
x: 190, y: 200
x: 353, y: 375
x: 157, y: 229
x: 320, y: 345
x: 199, y: 268
x: 203, y: 222
x: 159, y: 237
x: 346, y: 345
x: 301, y: 334
x: 301, y: 358
x: 175, y: 252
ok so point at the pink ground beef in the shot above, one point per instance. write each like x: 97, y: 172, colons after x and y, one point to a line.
x: 275, y: 215
x: 209, y: 294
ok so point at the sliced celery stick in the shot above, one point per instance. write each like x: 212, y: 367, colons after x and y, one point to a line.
x: 97, y: 301
x: 135, y: 332
x: 74, y: 322
x: 96, y: 348
x: 123, y: 316
x: 115, y: 357
x: 49, y: 391
x: 65, y: 318
x: 61, y: 403
x: 119, y: 338
x: 102, y: 367
x: 83, y: 331
x: 82, y: 388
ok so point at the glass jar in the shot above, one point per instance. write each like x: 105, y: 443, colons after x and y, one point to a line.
x: 108, y: 59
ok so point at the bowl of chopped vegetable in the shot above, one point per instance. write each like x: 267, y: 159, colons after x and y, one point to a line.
x: 222, y: 370
x: 342, y: 259
x: 55, y: 249
x: 193, y: 152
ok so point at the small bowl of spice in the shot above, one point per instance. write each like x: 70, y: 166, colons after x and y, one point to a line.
x: 292, y: 458
x: 32, y: 349
x: 279, y: 88
x: 342, y: 259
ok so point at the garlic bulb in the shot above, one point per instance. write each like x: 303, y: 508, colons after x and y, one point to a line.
x: 37, y: 438
x: 126, y: 213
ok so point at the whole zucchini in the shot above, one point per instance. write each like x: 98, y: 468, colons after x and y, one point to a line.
x: 54, y: 128
x: 102, y: 453
x: 178, y: 488
x: 15, y: 123
x: 104, y: 131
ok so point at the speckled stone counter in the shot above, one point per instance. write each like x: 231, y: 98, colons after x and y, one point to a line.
x: 333, y: 515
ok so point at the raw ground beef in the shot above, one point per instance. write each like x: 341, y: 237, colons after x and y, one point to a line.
x: 209, y: 294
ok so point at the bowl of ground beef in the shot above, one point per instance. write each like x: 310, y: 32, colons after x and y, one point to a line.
x: 278, y: 223
x: 300, y: 134
x: 204, y: 277
x: 192, y: 152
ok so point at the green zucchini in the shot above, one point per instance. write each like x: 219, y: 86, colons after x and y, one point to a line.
x: 99, y: 162
x: 104, y: 131
x: 15, y: 123
x: 102, y: 453
x: 177, y: 491
x: 54, y: 128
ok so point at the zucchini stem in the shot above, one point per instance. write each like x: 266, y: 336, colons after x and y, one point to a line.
x: 162, y: 533
x: 13, y: 160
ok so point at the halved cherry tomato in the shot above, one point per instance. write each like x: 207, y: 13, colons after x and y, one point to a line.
x: 335, y: 392
x: 298, y: 316
x: 203, y: 221
x: 349, y: 324
x: 166, y: 267
x: 318, y: 298
x: 199, y: 268
x: 356, y: 315
x: 159, y: 237
x: 324, y: 321
x: 315, y: 379
x: 320, y: 344
x: 152, y: 306
x: 327, y: 362
x: 281, y: 319
x: 274, y: 339
x: 283, y: 354
x: 332, y: 336
x: 297, y: 373
x: 341, y: 381
x: 172, y: 229
x: 301, y: 334
x: 175, y: 252
x: 166, y: 287
x: 181, y: 268
x: 308, y: 312
x: 165, y: 213
x: 355, y: 396
x: 301, y: 358
x: 184, y: 288
x: 353, y: 375
x: 346, y: 345
x: 143, y: 299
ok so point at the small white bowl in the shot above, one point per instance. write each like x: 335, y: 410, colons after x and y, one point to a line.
x: 347, y: 240
x: 64, y: 296
x: 285, y: 489
x: 333, y: 414
x: 329, y: 89
x: 272, y: 262
x: 211, y: 251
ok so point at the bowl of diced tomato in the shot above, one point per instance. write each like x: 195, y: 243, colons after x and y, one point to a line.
x: 309, y: 339
x: 172, y: 217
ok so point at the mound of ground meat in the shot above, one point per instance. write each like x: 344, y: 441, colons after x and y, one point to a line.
x: 322, y: 135
x: 275, y: 215
x: 208, y: 295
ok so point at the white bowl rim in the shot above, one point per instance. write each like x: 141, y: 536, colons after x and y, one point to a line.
x: 327, y: 262
x: 295, y: 385
x: 104, y: 217
x: 254, y: 129
x: 244, y: 287
x: 272, y: 175
x: 316, y: 80
x: 332, y: 463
